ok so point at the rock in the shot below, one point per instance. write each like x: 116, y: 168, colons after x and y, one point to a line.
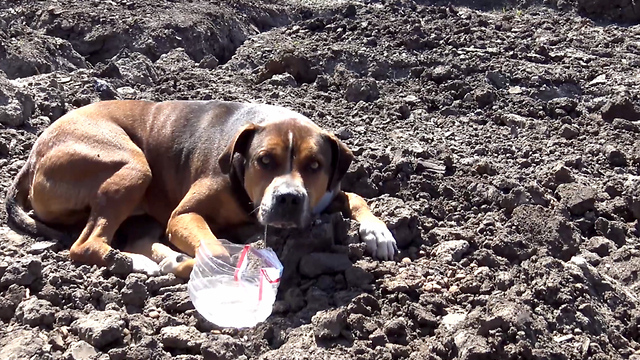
x: 134, y: 68
x: 378, y: 338
x: 362, y: 90
x: 471, y: 346
x: 535, y: 229
x: 135, y: 292
x: 100, y: 328
x: 22, y: 345
x: 16, y: 106
x: 344, y: 133
x: 364, y: 304
x: 621, y: 107
x: 42, y: 246
x: 612, y: 230
x: 176, y: 60
x: 208, y: 62
x: 30, y: 54
x: 222, y: 347
x: 155, y: 283
x: 624, y: 124
x: 562, y: 174
x: 81, y: 350
x: 358, y: 277
x: 497, y: 79
x: 181, y: 337
x: 400, y: 218
x: 177, y: 301
x: 576, y: 197
x: 329, y: 324
x: 396, y: 330
x: 615, y: 156
x: 442, y: 73
x: 24, y: 271
x: 284, y: 79
x: 569, y: 131
x: 451, y: 251
x: 35, y: 312
x: 600, y: 245
x: 118, y: 263
x: 9, y: 301
x: 316, y: 264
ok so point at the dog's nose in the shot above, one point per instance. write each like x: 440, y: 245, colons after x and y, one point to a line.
x: 290, y: 200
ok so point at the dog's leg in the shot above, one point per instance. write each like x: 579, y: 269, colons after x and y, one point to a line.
x: 116, y: 198
x: 107, y: 180
x: 373, y: 231
x: 187, y: 228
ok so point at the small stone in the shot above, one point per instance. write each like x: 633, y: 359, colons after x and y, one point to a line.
x: 81, y: 350
x: 329, y: 324
x: 569, y: 131
x: 316, y: 264
x: 100, y: 328
x: 22, y: 272
x: 358, y: 277
x: 615, y: 156
x: 497, y: 79
x: 624, y: 124
x: 344, y: 134
x: 432, y: 286
x: 135, y: 292
x: 284, y: 79
x: 42, y: 246
x: 362, y: 90
x: 562, y: 174
x: 600, y: 245
x: 451, y: 251
x: 406, y: 260
x: 154, y: 314
x: 396, y: 330
x: 621, y: 107
x: 208, y: 62
x: 378, y: 338
x: 576, y: 197
x: 181, y: 337
x: 364, y: 304
x: 35, y: 312
x: 612, y: 230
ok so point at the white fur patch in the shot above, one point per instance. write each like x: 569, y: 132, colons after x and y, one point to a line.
x: 170, y: 263
x: 143, y: 264
x: 379, y: 240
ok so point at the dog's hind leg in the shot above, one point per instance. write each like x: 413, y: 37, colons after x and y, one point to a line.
x: 108, y: 178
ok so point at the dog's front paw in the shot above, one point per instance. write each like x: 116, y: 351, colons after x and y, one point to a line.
x: 143, y: 264
x: 171, y: 264
x: 379, y: 240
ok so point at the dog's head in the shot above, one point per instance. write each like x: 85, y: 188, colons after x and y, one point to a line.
x: 288, y: 166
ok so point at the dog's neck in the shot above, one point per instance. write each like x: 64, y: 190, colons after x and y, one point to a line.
x: 236, y: 176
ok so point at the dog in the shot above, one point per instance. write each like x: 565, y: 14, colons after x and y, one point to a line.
x: 197, y: 167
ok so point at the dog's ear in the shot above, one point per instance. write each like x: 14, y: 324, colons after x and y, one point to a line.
x: 341, y: 158
x: 239, y: 144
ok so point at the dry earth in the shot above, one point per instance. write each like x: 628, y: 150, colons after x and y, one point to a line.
x: 499, y: 140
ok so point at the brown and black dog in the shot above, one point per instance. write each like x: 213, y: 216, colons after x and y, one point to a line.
x: 198, y: 167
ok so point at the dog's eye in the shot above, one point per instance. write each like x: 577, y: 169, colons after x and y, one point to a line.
x: 265, y: 161
x: 314, y: 165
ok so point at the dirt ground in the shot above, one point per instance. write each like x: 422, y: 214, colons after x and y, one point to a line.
x: 498, y: 140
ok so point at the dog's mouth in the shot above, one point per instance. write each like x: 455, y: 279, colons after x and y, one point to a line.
x: 270, y: 217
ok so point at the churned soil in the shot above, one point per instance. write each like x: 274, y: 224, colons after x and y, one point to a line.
x: 498, y: 140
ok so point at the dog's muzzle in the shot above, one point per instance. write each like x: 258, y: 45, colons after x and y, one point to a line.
x: 285, y: 204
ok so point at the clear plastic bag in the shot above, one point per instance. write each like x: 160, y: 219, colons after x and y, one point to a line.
x: 238, y: 293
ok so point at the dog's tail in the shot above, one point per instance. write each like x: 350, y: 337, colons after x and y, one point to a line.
x: 17, y: 217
